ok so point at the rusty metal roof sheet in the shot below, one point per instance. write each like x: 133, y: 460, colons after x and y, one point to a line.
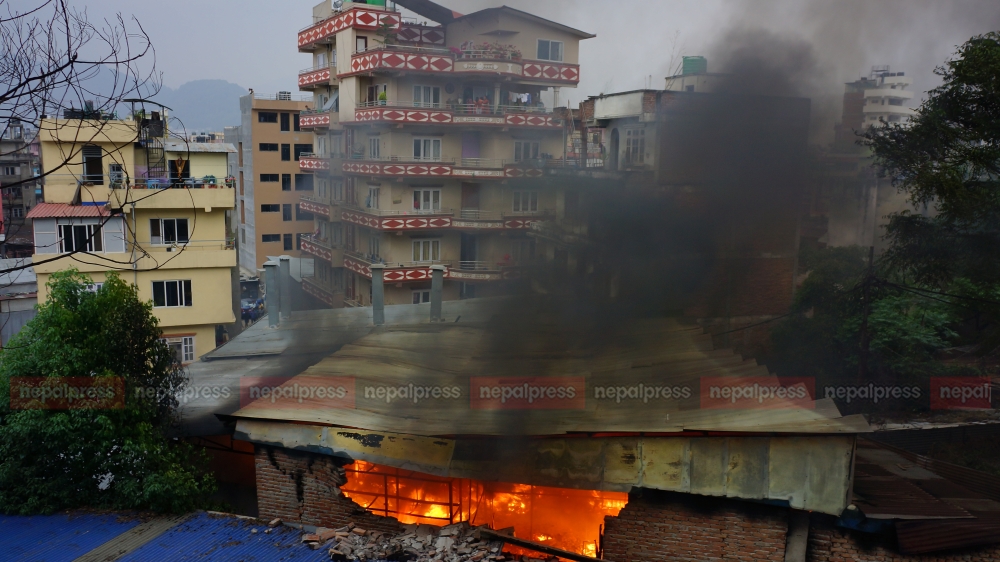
x: 63, y: 210
x: 180, y: 146
x: 937, y: 505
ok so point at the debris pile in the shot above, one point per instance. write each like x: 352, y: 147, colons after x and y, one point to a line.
x: 417, y: 543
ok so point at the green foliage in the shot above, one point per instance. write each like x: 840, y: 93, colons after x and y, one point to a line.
x: 947, y: 159
x: 102, y: 458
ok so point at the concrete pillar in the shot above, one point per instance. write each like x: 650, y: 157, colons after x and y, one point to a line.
x: 285, y: 282
x: 273, y: 295
x: 555, y: 96
x: 378, y: 294
x: 437, y: 291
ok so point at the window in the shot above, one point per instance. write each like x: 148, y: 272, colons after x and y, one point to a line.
x: 93, y: 164
x: 172, y: 293
x: 525, y: 201
x: 182, y: 348
x: 361, y: 44
x: 168, y: 231
x: 635, y: 146
x: 550, y: 50
x: 286, y: 153
x: 270, y: 208
x: 298, y: 240
x: 426, y: 199
x: 421, y: 297
x: 93, y: 287
x: 269, y: 147
x: 375, y: 91
x: 301, y: 149
x: 295, y: 122
x: 303, y: 182
x: 267, y: 117
x: 525, y: 150
x: 522, y: 250
x: 80, y: 238
x: 373, y: 148
x: 374, y: 245
x: 301, y: 215
x: 286, y: 182
x: 11, y: 171
x: 286, y: 212
x: 288, y: 242
x: 243, y: 235
x: 17, y: 212
x: 427, y: 149
x: 269, y: 178
x: 270, y: 238
x: 426, y: 250
x: 426, y: 96
x: 373, y: 196
x: 116, y: 173
x: 337, y: 191
x: 285, y: 122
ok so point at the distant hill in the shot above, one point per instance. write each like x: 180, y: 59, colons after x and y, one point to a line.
x: 204, y: 105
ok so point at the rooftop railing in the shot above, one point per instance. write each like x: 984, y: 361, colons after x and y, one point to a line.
x: 283, y: 96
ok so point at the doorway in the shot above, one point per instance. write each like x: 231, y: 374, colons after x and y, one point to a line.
x: 613, y: 150
x: 470, y: 200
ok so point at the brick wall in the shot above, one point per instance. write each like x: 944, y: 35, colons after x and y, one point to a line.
x: 828, y: 544
x: 305, y: 488
x: 656, y: 527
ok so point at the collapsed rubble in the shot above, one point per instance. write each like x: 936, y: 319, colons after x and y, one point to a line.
x: 459, y: 542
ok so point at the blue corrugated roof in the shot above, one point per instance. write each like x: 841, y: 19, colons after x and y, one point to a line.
x: 211, y: 537
x: 56, y: 538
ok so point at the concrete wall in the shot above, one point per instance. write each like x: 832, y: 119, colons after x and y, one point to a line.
x: 476, y: 29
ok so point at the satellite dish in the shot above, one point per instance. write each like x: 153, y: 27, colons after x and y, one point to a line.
x: 338, y: 4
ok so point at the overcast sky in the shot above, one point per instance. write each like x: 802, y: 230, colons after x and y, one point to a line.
x: 253, y: 42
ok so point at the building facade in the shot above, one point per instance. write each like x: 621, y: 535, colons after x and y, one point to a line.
x: 19, y: 186
x: 269, y: 144
x: 122, y: 197
x: 429, y: 146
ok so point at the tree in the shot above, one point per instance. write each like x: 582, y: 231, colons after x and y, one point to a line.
x: 106, y: 458
x: 947, y: 161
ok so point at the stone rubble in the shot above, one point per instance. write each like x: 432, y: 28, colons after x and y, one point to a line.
x: 417, y: 543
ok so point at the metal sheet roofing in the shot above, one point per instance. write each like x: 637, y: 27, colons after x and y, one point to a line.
x: 57, y: 538
x: 208, y: 537
x: 198, y: 147
x: 62, y: 210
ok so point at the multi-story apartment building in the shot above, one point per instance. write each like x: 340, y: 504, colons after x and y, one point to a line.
x: 269, y: 143
x: 154, y: 210
x: 19, y: 186
x: 430, y: 141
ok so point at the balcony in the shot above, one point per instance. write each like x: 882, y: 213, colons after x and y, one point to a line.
x: 465, y: 168
x: 323, y: 249
x: 313, y: 162
x: 318, y: 119
x: 467, y: 219
x: 364, y: 17
x: 317, y: 76
x: 318, y: 206
x: 175, y: 196
x: 322, y: 291
x: 394, y: 272
x: 502, y: 63
x: 519, y: 116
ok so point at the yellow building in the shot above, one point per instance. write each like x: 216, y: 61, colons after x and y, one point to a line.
x: 156, y: 211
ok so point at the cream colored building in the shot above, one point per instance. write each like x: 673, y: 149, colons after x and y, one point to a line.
x: 154, y: 210
x: 431, y: 145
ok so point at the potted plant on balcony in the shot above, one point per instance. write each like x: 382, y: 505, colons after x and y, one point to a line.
x: 382, y: 98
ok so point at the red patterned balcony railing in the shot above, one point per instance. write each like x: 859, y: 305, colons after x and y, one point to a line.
x: 393, y: 168
x: 318, y: 119
x: 519, y: 116
x: 316, y: 206
x: 397, y: 220
x: 359, y: 18
x: 317, y: 75
x: 322, y: 249
x: 313, y: 162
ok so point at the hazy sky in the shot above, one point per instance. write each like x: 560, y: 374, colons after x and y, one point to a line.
x: 252, y: 42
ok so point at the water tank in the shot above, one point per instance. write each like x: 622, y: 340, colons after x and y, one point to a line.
x: 694, y: 65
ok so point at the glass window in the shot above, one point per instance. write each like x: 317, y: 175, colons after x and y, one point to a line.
x: 550, y: 50
x: 267, y: 117
x: 426, y: 199
x: 426, y: 96
x: 427, y: 149
x: 286, y: 153
x: 265, y: 178
x: 80, y: 238
x: 526, y: 150
x: 168, y: 231
x: 421, y: 297
x: 172, y: 293
x: 525, y: 201
x: 285, y: 122
x: 270, y: 238
x: 288, y: 242
x: 286, y: 212
x: 286, y: 182
x: 426, y: 250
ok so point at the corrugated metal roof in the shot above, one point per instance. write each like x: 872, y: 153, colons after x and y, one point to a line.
x: 57, y: 538
x: 61, y: 210
x: 216, y: 537
x: 938, y: 506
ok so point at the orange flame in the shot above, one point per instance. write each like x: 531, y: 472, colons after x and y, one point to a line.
x: 564, y: 518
